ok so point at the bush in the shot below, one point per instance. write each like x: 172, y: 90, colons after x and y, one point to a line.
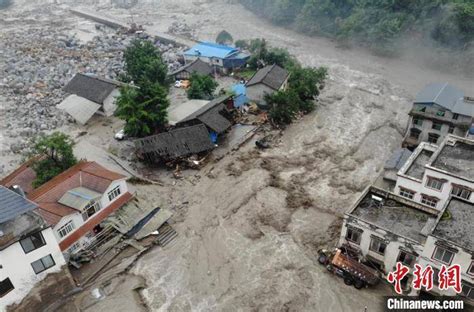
x: 202, y: 87
x: 284, y: 106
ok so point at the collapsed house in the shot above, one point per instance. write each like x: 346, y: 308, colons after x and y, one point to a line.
x: 384, y: 228
x: 221, y: 57
x: 89, y: 95
x: 266, y: 81
x: 432, y: 174
x: 28, y: 248
x: 174, y: 144
x: 439, y: 109
x: 197, y: 66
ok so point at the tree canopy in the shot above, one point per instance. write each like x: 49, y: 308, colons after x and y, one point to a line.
x: 55, y: 155
x: 202, y: 87
x: 224, y: 37
x: 375, y: 23
x: 284, y: 106
x: 144, y: 105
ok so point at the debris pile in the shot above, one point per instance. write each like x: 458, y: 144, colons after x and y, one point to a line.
x: 182, y: 29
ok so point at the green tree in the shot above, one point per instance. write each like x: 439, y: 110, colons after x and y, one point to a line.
x: 224, y: 37
x: 55, y: 154
x: 143, y: 63
x: 202, y: 87
x: 284, y: 106
x: 307, y: 83
x: 242, y: 44
x: 144, y: 110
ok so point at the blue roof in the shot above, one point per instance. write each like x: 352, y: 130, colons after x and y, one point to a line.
x: 209, y: 49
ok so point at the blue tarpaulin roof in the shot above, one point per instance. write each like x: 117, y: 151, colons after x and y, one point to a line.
x: 240, y: 95
x: 209, y: 49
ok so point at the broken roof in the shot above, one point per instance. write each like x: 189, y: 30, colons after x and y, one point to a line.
x: 456, y: 156
x: 178, y: 112
x: 457, y: 226
x: 81, y: 109
x: 84, y: 174
x: 272, y: 76
x: 210, y: 115
x: 445, y: 96
x: 197, y: 66
x: 91, y: 87
x: 176, y: 143
x: 394, y: 213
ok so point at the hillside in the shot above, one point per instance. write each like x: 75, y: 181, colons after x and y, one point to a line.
x: 377, y: 24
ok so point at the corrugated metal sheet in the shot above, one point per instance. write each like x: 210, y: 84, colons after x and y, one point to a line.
x: 79, y: 108
x: 13, y: 205
x: 209, y: 49
x: 78, y: 197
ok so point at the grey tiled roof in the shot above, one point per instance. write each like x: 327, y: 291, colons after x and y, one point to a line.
x: 93, y: 88
x: 446, y: 96
x: 273, y: 76
x: 13, y: 205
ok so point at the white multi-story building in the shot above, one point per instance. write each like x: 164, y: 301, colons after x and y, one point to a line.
x: 432, y: 174
x: 28, y: 248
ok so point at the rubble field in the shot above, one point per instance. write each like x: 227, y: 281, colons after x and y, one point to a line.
x: 250, y: 224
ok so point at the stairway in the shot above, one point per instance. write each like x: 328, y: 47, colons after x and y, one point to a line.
x: 167, y: 234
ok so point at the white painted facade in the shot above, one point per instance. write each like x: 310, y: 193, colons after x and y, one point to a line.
x: 77, y: 219
x: 404, y: 181
x: 256, y: 93
x: 16, y: 265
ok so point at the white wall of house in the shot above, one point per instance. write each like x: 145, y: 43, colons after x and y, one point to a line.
x: 109, y: 103
x: 76, y: 220
x: 394, y: 243
x: 461, y: 257
x: 104, y: 201
x: 256, y: 93
x: 16, y: 265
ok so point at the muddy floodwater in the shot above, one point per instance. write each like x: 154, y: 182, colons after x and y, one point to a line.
x: 250, y: 224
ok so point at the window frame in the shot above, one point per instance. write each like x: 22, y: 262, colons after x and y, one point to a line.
x: 114, y: 193
x: 437, y: 126
x: 36, y: 247
x: 466, y: 295
x: 354, y: 230
x: 406, y: 191
x: 417, y: 121
x: 7, y: 280
x: 431, y: 135
x: 426, y: 199
x: 406, y: 254
x: 444, y: 252
x: 451, y: 129
x: 381, y: 242
x: 455, y: 116
x: 65, y: 226
x: 461, y: 190
x: 471, y: 268
x: 44, y: 266
x: 415, y: 133
x: 435, y: 180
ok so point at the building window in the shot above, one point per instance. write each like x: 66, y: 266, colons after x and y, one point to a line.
x: 43, y: 264
x: 455, y: 116
x: 460, y: 191
x: 436, y: 126
x: 407, y: 193
x: 441, y: 113
x: 434, y: 183
x: 429, y: 201
x: 433, y: 138
x: 74, y: 247
x: 423, y: 109
x: 114, y: 193
x: 90, y: 210
x: 406, y: 258
x: 32, y: 242
x: 354, y: 235
x: 418, y: 121
x: 451, y: 129
x: 65, y: 229
x: 470, y: 271
x: 468, y: 291
x: 443, y: 255
x: 378, y: 245
x: 5, y: 287
x: 415, y: 133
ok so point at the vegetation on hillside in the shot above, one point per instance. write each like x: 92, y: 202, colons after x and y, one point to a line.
x: 376, y: 23
x: 144, y: 105
x: 55, y: 155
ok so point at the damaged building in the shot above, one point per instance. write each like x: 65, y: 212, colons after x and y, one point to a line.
x: 89, y: 95
x: 432, y: 174
x: 197, y: 66
x: 28, y: 247
x: 266, y: 81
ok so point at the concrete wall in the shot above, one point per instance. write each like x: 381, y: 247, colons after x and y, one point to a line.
x: 420, y: 186
x: 109, y: 103
x: 256, y: 93
x: 394, y: 243
x: 16, y: 265
x: 463, y: 258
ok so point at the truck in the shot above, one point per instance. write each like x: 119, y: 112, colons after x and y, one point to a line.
x: 355, y: 273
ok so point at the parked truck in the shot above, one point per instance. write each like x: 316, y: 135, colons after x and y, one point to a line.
x: 351, y: 270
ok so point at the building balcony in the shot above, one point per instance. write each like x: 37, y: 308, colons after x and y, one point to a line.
x: 441, y: 119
